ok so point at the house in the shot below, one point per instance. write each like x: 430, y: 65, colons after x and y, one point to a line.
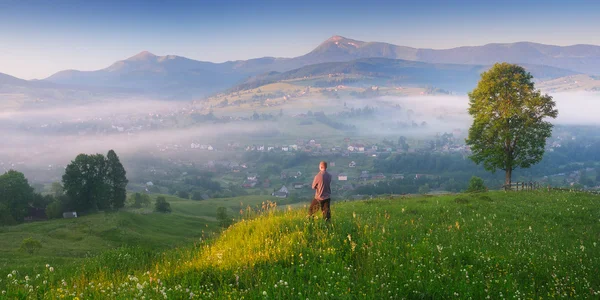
x: 298, y: 174
x: 378, y: 176
x: 364, y: 175
x: 343, y: 177
x: 298, y: 185
x: 352, y: 164
x: 270, y: 148
x: 283, y: 175
x: 281, y: 193
x: 210, y: 148
x: 351, y: 148
x: 286, y: 149
x: 249, y: 184
x: 252, y: 177
x: 397, y: 176
x: 70, y: 215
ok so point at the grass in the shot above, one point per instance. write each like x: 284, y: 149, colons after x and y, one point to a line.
x: 494, y: 245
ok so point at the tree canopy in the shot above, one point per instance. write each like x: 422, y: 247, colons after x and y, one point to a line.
x: 15, y: 196
x: 95, y: 182
x: 510, y: 124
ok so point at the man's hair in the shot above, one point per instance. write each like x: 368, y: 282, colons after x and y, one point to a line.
x: 324, y: 164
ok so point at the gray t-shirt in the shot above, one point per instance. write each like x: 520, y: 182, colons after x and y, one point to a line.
x: 322, y: 185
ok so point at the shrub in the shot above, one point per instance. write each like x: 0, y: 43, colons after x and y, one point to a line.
x: 54, y: 210
x: 223, y: 217
x: 424, y: 189
x: 183, y: 194
x: 476, y: 185
x: 30, y: 245
x: 162, y: 205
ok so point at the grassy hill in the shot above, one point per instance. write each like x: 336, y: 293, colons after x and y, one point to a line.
x: 501, y: 245
x: 69, y: 241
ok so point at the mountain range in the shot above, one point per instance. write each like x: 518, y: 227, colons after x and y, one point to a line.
x: 183, y: 78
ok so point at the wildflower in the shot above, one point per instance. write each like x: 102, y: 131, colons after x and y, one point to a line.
x: 51, y: 269
x: 264, y: 293
x: 47, y: 266
x: 9, y: 275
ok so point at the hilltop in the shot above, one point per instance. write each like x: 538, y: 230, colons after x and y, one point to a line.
x: 497, y: 244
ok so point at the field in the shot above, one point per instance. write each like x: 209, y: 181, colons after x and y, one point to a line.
x: 69, y: 241
x: 494, y: 245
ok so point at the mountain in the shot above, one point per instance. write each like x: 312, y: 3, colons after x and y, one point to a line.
x: 452, y: 77
x: 578, y: 58
x: 146, y: 72
x: 183, y: 78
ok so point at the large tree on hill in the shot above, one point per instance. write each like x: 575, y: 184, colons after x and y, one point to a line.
x: 15, y: 196
x: 510, y: 124
x: 117, y: 181
x: 85, y: 183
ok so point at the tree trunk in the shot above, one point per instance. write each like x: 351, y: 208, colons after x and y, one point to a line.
x: 508, y: 177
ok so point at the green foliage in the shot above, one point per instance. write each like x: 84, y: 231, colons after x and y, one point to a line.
x: 30, y: 245
x: 56, y: 189
x: 424, y: 189
x: 93, y: 182
x: 476, y: 185
x: 140, y: 200
x: 54, y: 210
x: 162, y: 205
x: 15, y: 195
x: 183, y: 194
x: 509, y: 127
x: 117, y: 180
x: 223, y: 217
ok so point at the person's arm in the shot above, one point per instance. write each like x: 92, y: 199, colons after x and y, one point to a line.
x: 315, y: 182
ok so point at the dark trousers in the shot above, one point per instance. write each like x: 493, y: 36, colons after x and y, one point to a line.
x: 323, y: 205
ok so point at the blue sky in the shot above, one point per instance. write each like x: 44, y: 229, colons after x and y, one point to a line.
x: 39, y: 38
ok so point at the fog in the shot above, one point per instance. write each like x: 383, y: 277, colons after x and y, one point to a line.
x: 51, y: 137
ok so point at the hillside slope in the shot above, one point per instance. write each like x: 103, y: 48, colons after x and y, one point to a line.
x: 528, y: 245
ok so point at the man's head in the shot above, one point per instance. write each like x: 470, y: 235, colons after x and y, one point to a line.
x: 323, y: 166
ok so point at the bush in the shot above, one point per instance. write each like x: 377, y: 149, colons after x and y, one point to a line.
x: 223, y: 217
x: 54, y: 210
x: 476, y: 185
x: 140, y: 200
x: 162, y: 205
x: 30, y: 245
x: 424, y: 189
x: 183, y: 194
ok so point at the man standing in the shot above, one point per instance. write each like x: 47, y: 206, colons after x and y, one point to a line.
x: 322, y: 185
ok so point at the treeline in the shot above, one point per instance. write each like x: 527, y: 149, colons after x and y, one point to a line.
x: 90, y: 183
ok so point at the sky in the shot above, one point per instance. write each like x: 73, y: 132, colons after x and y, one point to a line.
x: 39, y: 38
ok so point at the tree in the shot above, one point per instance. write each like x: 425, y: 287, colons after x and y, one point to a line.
x: 162, y: 205
x: 56, y: 189
x: 117, y: 181
x: 509, y: 127
x: 84, y: 183
x: 94, y: 182
x: 15, y: 196
x: 476, y: 185
x: 140, y: 200
x: 54, y: 210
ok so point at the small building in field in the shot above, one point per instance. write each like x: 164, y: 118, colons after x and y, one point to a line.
x: 352, y: 164
x: 70, y: 215
x: 343, y: 177
x: 298, y: 185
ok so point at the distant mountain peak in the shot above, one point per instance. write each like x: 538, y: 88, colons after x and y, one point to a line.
x: 144, y: 55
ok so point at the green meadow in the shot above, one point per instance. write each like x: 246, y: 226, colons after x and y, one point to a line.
x: 483, y: 246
